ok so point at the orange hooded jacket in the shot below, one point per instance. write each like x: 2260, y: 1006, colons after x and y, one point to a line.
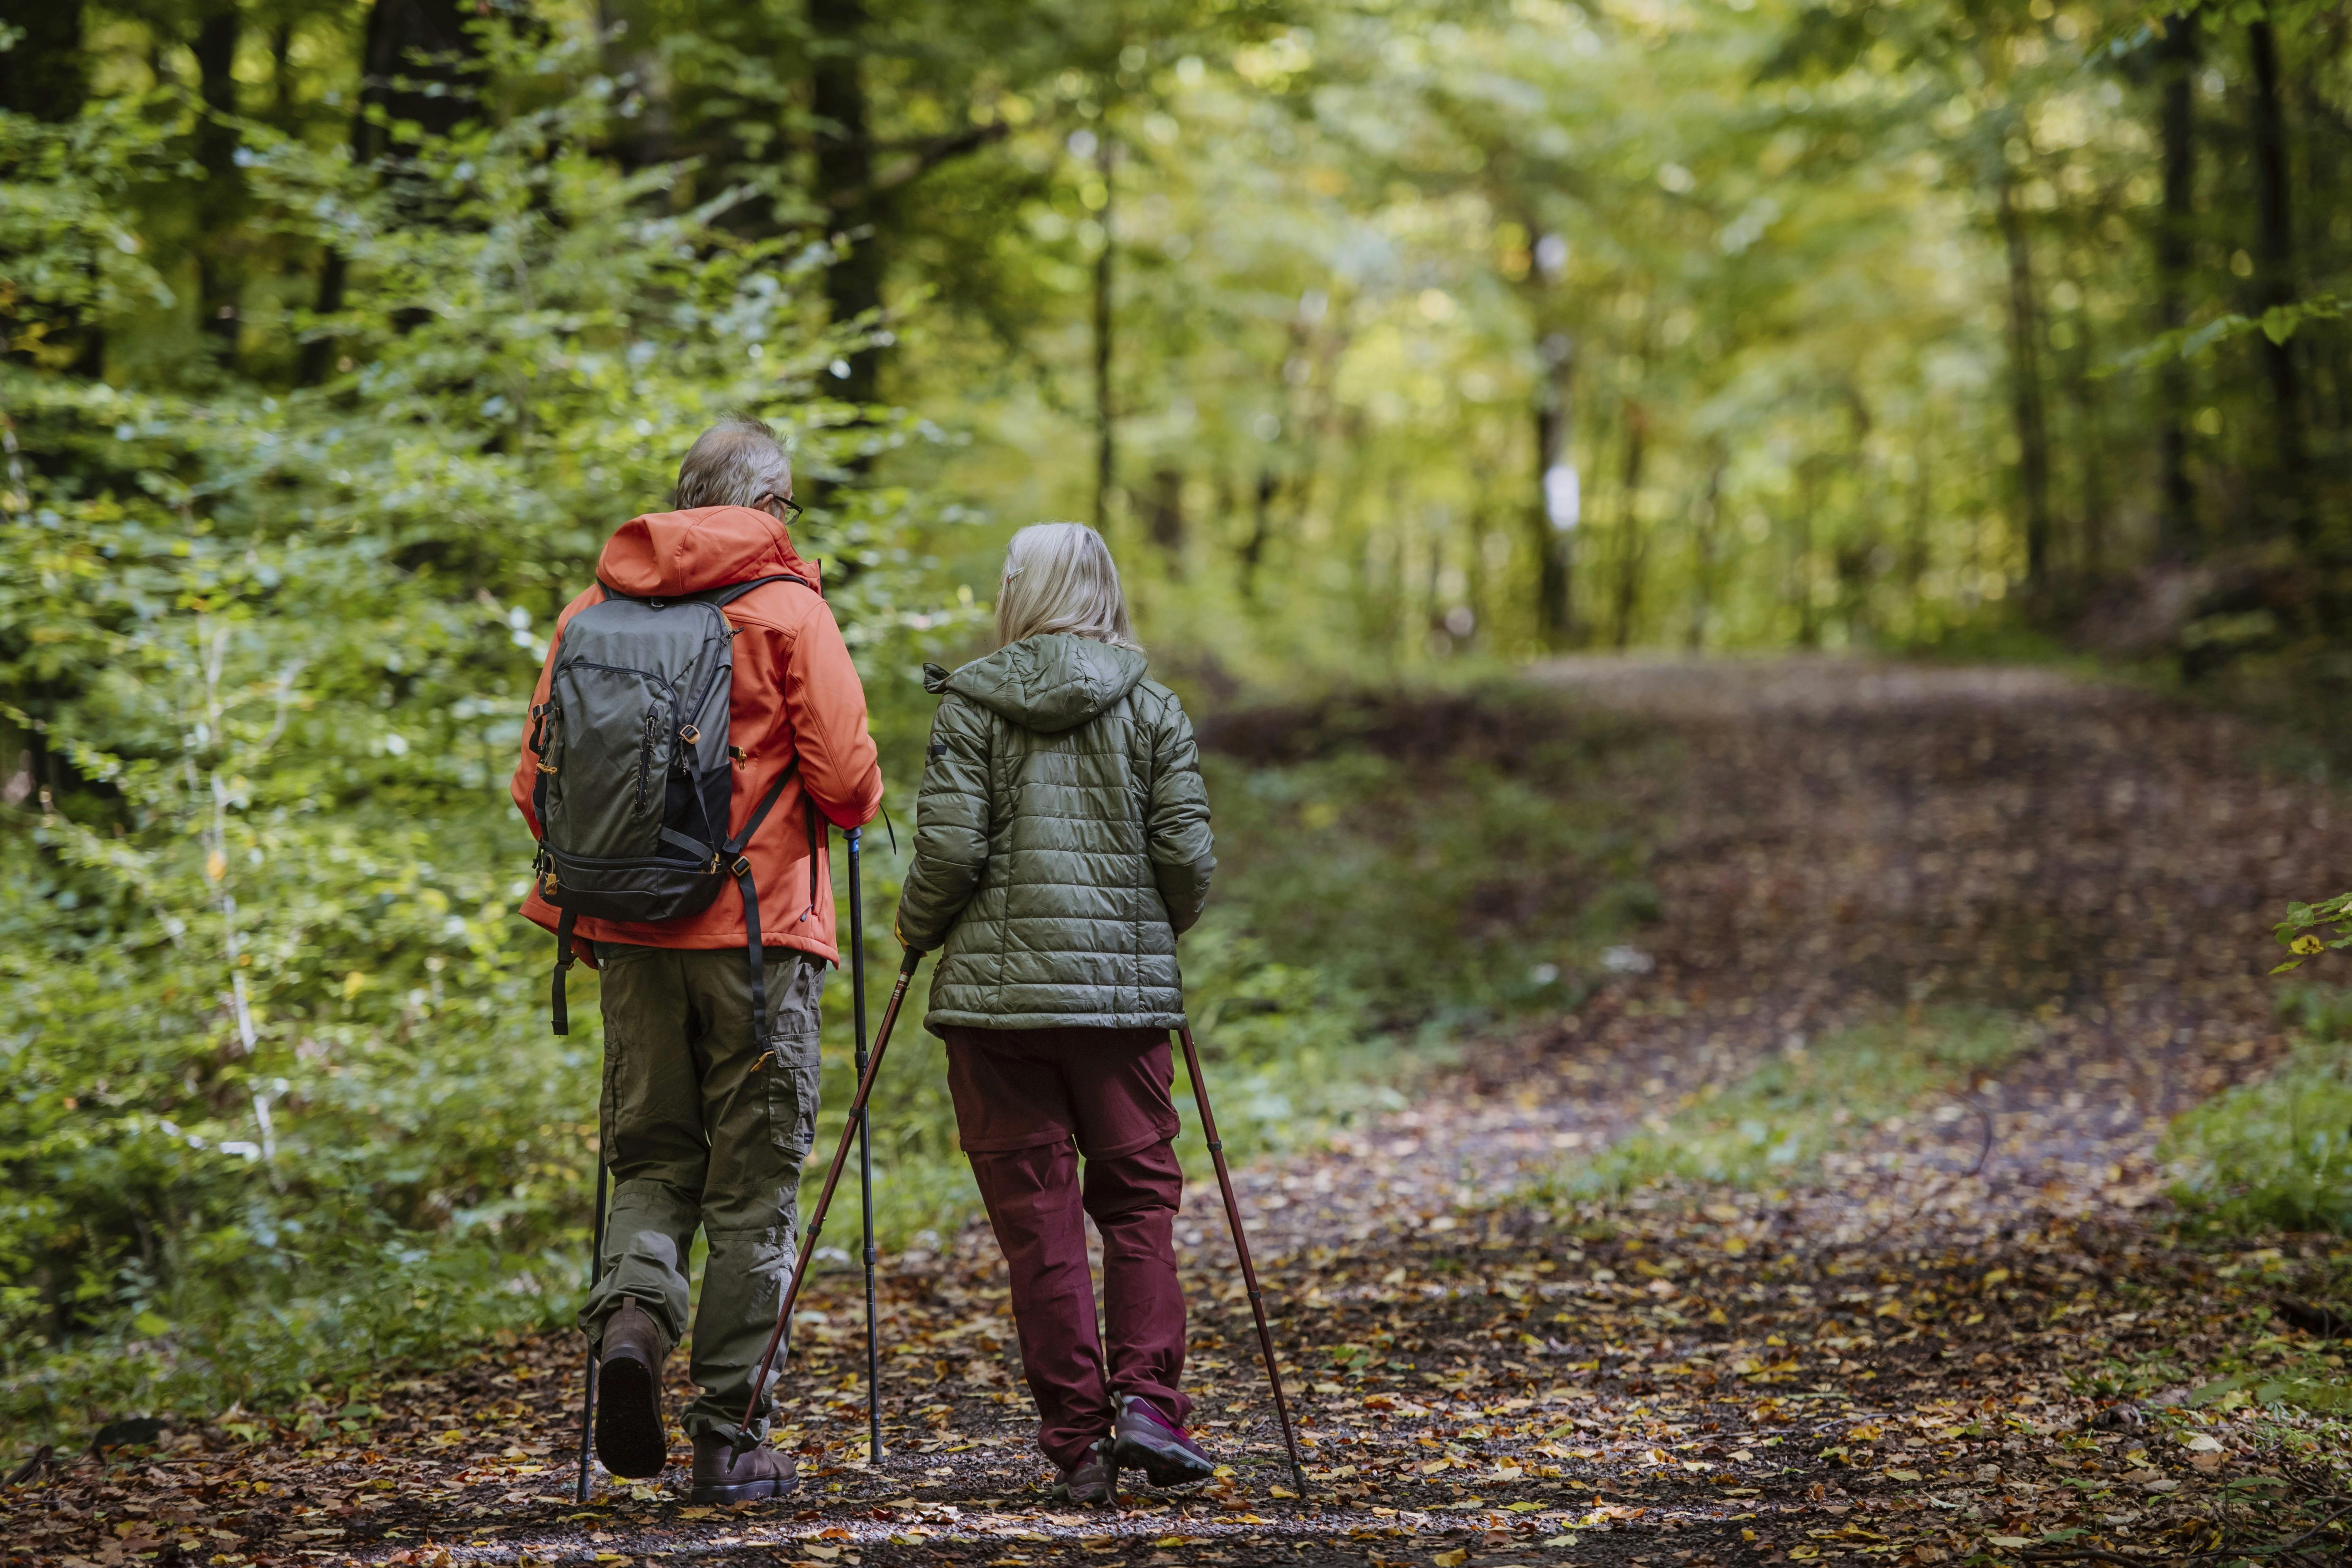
x: 795, y: 693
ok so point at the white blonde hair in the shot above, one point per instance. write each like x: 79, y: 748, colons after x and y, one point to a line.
x: 1059, y: 577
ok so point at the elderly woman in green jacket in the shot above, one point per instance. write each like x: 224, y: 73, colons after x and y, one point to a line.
x: 1062, y: 842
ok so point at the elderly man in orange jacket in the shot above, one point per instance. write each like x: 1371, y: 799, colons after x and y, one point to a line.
x: 706, y: 1114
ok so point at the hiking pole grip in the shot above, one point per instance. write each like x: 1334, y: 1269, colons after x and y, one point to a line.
x: 1241, y: 1246
x: 807, y: 1248
x: 595, y: 1272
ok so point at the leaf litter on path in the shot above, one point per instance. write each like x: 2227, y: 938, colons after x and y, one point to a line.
x: 1907, y: 1343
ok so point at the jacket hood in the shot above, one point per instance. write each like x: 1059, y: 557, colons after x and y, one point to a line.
x: 1050, y: 683
x: 666, y: 554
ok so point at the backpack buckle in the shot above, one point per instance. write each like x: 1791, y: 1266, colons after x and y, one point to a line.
x: 689, y: 734
x: 742, y: 867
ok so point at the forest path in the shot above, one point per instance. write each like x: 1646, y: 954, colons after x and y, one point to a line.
x: 1893, y: 1358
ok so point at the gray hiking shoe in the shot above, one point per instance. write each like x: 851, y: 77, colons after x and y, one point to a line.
x: 1146, y: 1440
x: 1088, y: 1483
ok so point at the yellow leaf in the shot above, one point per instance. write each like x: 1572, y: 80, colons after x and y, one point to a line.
x: 2306, y: 944
x: 1453, y: 1558
x: 215, y: 866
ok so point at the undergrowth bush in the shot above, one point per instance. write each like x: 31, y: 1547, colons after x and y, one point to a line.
x: 2278, y: 1154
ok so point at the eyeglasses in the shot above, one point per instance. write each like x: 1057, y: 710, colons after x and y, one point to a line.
x: 791, y: 508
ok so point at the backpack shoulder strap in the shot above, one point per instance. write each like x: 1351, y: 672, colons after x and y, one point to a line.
x: 740, y: 867
x: 734, y: 591
x: 726, y: 596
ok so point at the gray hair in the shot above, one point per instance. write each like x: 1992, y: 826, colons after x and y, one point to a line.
x: 736, y: 462
x: 1059, y: 577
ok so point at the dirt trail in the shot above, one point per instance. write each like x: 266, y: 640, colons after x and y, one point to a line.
x: 1893, y: 1359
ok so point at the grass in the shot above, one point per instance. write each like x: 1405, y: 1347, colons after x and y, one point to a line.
x: 2278, y: 1154
x: 1772, y: 1125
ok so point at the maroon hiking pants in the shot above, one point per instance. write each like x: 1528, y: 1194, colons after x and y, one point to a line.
x: 1023, y: 1099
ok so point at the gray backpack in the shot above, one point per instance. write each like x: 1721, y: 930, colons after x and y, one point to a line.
x: 635, y: 773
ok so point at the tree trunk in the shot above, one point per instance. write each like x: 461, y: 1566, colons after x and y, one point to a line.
x: 1709, y: 521
x: 845, y: 181
x: 47, y: 75
x: 2025, y: 389
x: 2082, y: 395
x: 220, y: 201
x: 1106, y: 425
x: 1553, y: 518
x: 1916, y: 558
x: 1167, y: 514
x: 1809, y: 631
x: 1252, y: 550
x: 632, y: 58
x: 1630, y: 544
x: 2274, y: 285
x: 2175, y: 257
x: 414, y: 56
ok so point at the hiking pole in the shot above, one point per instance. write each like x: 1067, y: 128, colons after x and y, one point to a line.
x: 1241, y: 1246
x: 865, y: 1147
x: 595, y: 1272
x: 743, y: 1439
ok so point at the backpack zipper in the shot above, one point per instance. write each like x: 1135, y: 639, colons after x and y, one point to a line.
x: 645, y: 753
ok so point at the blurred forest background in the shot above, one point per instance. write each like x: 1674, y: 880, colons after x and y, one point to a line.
x: 1384, y: 339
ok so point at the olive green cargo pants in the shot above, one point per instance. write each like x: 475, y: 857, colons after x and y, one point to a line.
x: 702, y: 1127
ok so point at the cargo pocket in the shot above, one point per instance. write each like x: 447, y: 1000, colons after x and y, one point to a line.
x: 791, y: 1069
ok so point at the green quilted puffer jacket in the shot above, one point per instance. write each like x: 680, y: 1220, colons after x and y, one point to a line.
x: 1061, y: 841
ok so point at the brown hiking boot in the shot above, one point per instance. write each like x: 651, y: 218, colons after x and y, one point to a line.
x: 630, y: 1437
x: 721, y: 1474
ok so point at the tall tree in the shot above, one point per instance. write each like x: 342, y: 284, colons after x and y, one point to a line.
x: 417, y: 58
x: 45, y: 73
x: 2274, y: 281
x: 1558, y: 501
x: 2027, y: 414
x: 221, y: 202
x: 2176, y: 243
x: 845, y: 176
x: 1105, y: 414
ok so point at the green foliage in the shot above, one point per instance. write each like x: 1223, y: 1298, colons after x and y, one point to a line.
x: 2301, y: 931
x: 2278, y: 1154
x: 281, y: 1100
x: 1775, y: 1123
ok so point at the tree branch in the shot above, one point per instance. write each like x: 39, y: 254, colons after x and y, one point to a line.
x: 924, y: 157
